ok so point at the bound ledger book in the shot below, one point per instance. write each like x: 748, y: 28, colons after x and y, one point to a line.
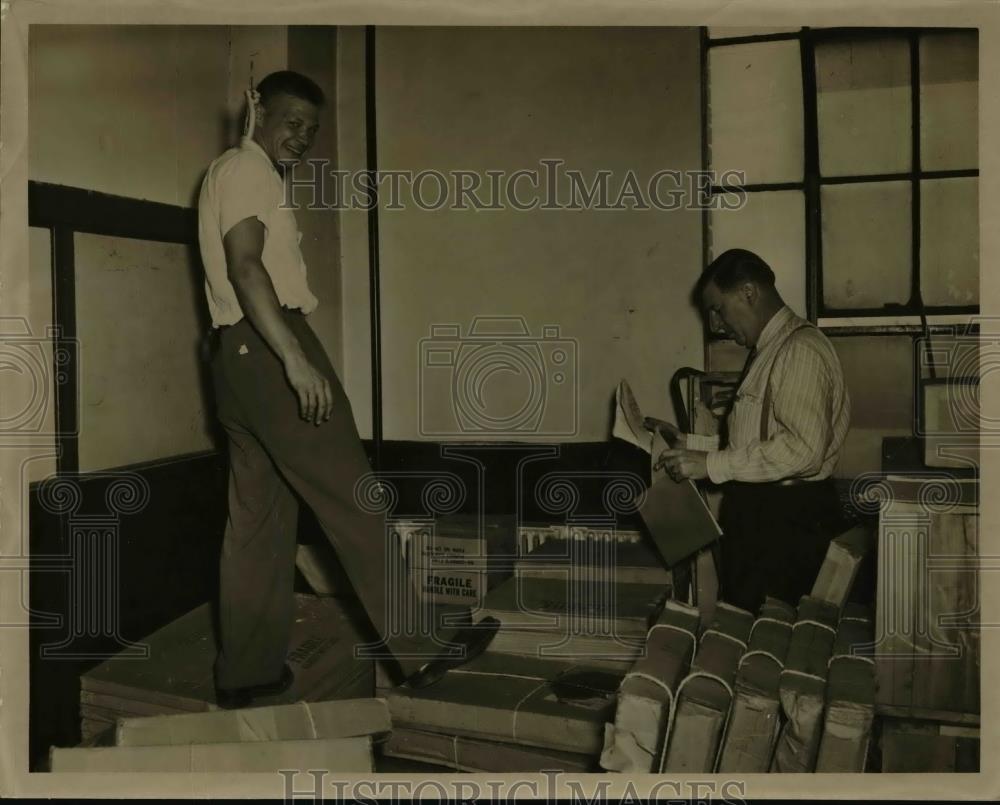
x: 803, y: 685
x: 706, y: 694
x: 756, y: 717
x: 840, y: 567
x: 850, y: 694
x: 634, y: 742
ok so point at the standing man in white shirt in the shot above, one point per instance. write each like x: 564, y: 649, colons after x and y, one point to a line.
x: 786, y: 428
x: 288, y: 421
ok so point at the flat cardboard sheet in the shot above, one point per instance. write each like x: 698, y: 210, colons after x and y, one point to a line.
x: 337, y: 719
x: 335, y: 754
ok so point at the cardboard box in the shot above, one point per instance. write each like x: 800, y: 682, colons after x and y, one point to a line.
x: 588, y: 622
x: 337, y: 754
x: 289, y: 722
x: 531, y: 535
x: 462, y: 753
x: 598, y: 560
x: 850, y: 695
x: 840, y: 567
x: 634, y: 742
x: 802, y: 687
x: 705, y: 696
x: 518, y: 700
x: 910, y: 747
x: 756, y: 716
x: 178, y: 674
x: 455, y: 559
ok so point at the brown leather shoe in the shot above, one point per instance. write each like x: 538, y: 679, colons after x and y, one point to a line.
x: 473, y: 640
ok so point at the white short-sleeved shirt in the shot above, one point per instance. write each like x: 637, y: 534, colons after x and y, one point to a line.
x: 243, y: 183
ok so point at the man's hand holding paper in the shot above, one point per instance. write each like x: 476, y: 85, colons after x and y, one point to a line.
x: 681, y: 464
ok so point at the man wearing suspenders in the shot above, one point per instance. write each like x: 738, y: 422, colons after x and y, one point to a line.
x: 785, y: 433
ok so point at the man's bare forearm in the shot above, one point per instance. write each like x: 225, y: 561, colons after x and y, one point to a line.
x: 256, y: 296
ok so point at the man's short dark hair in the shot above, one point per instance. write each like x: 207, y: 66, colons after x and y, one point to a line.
x: 731, y: 269
x: 289, y: 82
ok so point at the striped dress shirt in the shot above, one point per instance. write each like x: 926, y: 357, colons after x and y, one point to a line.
x: 809, y: 409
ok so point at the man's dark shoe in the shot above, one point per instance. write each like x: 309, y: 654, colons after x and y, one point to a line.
x: 236, y: 698
x: 472, y: 639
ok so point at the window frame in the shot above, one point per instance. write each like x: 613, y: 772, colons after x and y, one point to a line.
x: 893, y: 317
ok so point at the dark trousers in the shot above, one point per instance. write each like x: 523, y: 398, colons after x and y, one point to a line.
x: 272, y: 451
x: 774, y: 539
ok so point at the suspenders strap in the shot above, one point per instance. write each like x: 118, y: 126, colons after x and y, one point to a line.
x: 766, y: 407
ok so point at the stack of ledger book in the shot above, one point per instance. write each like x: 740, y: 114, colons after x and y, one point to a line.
x: 177, y: 676
x: 331, y: 735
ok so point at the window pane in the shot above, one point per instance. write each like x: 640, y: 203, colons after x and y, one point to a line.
x: 949, y: 241
x: 864, y: 107
x: 755, y: 110
x: 724, y: 32
x: 867, y: 244
x: 949, y: 101
x: 773, y: 226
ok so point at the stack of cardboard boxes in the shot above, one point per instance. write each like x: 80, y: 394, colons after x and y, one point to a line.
x: 539, y: 698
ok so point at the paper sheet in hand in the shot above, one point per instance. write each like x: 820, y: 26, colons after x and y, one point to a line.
x: 675, y: 514
x: 628, y: 419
